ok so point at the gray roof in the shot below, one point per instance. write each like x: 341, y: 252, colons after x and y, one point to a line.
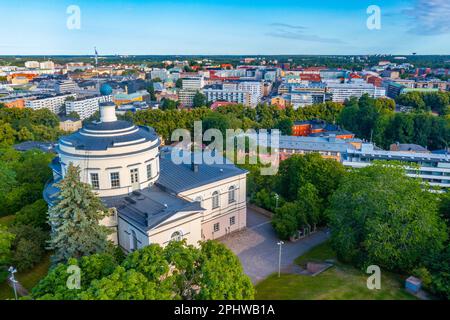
x: 104, y: 141
x: 150, y: 207
x: 316, y: 143
x: 410, y: 147
x: 181, y: 177
x: 30, y: 145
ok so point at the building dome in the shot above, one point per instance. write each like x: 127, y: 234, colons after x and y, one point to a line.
x: 115, y: 157
x: 105, y: 89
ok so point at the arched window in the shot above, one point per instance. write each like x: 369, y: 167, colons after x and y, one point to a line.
x: 176, y: 236
x: 215, y: 199
x: 232, y: 194
x: 133, y: 241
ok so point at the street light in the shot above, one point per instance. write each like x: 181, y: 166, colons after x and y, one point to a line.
x: 12, y: 271
x: 276, y: 200
x: 280, y: 243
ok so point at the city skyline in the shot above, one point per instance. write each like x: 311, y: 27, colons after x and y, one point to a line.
x: 251, y: 28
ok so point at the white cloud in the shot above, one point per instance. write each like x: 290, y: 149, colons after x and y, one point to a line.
x: 430, y: 17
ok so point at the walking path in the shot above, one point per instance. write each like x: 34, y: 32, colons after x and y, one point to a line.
x: 258, y: 251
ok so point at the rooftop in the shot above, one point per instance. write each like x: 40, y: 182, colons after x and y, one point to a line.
x: 182, y: 177
x: 150, y: 207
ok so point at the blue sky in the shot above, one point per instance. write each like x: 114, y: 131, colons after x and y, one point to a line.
x: 224, y: 27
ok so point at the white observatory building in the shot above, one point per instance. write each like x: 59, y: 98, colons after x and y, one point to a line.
x: 155, y: 200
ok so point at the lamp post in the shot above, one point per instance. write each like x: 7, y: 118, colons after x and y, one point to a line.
x: 280, y: 243
x: 276, y: 200
x: 12, y: 271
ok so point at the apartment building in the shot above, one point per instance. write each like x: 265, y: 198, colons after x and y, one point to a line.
x: 53, y: 103
x: 344, y: 91
x: 217, y: 93
x: 86, y: 106
x: 433, y: 168
x: 192, y: 83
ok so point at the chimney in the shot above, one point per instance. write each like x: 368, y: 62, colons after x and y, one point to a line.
x: 108, y: 112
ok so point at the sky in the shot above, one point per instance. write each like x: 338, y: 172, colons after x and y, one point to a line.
x: 211, y: 27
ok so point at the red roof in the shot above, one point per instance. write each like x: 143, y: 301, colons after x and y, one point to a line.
x: 217, y: 104
x: 310, y: 77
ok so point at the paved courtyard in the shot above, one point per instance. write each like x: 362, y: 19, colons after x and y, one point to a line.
x: 257, y: 247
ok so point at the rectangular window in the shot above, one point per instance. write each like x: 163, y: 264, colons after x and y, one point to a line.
x: 115, y: 180
x: 216, y: 227
x: 94, y: 181
x: 149, y: 171
x: 134, y: 175
x: 232, y: 220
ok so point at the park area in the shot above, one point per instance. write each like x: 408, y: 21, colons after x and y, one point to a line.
x: 340, y: 282
x: 29, y: 278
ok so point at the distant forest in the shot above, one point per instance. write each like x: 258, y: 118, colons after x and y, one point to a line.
x: 352, y: 62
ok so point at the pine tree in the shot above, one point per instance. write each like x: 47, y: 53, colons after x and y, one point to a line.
x: 75, y: 218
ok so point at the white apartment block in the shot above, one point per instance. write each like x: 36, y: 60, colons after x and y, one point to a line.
x: 32, y: 64
x: 236, y: 96
x: 186, y: 97
x: 66, y: 86
x: 162, y: 74
x: 52, y: 103
x: 301, y: 99
x: 433, y: 168
x: 86, y: 107
x: 193, y: 83
x: 344, y: 91
x: 47, y: 65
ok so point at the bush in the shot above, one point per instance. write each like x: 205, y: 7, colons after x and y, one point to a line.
x: 440, y: 273
x: 424, y: 275
x: 34, y: 214
x: 28, y: 246
x: 26, y: 254
x: 285, y: 220
x: 267, y: 200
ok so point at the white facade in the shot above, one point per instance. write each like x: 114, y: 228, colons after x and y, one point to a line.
x: 66, y: 86
x: 236, y: 96
x: 162, y: 74
x: 32, y: 64
x: 433, y: 168
x: 86, y: 107
x: 54, y: 103
x: 50, y: 65
x: 122, y: 163
x: 193, y: 83
x: 186, y: 97
x: 344, y: 91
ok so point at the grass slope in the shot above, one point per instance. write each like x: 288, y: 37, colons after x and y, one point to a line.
x: 341, y: 282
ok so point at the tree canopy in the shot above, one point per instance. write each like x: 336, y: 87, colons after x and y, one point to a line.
x: 178, y: 271
x: 380, y: 216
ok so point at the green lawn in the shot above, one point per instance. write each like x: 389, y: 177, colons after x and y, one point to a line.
x: 28, y: 279
x: 341, y: 282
